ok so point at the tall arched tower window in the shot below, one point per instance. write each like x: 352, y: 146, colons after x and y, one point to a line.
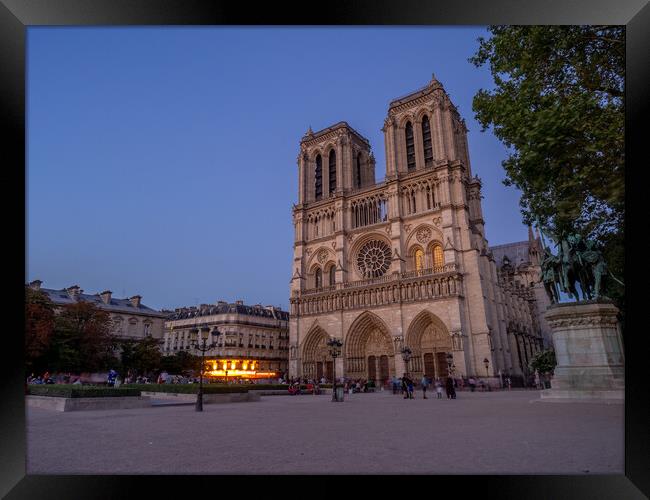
x: 358, y: 172
x: 332, y: 275
x: 438, y: 259
x: 426, y: 140
x: 332, y: 171
x: 410, y: 147
x: 319, y: 278
x: 419, y: 259
x: 319, y: 178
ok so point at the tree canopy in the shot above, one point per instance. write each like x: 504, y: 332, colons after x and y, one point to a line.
x: 544, y: 362
x: 557, y: 105
x: 82, y: 339
x: 141, y: 356
x: 39, y: 327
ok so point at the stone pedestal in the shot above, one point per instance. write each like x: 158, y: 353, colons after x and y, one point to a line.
x: 589, y: 353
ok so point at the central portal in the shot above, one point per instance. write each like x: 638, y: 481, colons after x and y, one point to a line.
x: 369, y: 352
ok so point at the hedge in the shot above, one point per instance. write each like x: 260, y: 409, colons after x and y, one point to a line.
x: 76, y: 391
x: 188, y: 388
x: 212, y: 388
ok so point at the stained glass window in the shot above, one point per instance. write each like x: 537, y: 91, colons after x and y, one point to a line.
x: 419, y: 259
x: 438, y: 259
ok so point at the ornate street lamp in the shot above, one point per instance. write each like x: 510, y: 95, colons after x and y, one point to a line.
x: 450, y: 359
x: 486, y: 362
x: 335, y: 352
x: 406, y: 356
x: 202, y: 346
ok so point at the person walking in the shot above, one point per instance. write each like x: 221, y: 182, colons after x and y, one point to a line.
x: 112, y: 375
x: 449, y: 386
x: 472, y: 384
x: 424, y: 383
x: 438, y: 389
x: 405, y: 387
x: 409, y: 385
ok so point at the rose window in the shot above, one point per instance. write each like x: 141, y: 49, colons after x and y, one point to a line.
x: 373, y: 259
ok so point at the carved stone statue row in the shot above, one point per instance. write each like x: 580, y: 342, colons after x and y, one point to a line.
x: 577, y: 261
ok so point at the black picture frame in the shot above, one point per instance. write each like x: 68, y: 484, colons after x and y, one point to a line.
x: 17, y: 15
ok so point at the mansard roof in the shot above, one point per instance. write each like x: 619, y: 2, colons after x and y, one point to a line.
x: 226, y: 308
x: 62, y: 297
x: 312, y: 136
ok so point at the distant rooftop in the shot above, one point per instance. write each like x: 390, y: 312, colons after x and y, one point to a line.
x: 226, y: 308
x: 517, y: 252
x: 104, y: 300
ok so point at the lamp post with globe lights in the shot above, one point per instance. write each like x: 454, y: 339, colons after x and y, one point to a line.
x: 335, y: 352
x: 406, y: 356
x: 486, y: 362
x: 450, y: 360
x: 203, y: 346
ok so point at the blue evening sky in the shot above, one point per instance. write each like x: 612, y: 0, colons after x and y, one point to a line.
x: 162, y: 160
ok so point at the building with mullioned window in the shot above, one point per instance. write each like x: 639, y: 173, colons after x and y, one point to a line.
x: 253, y: 341
x: 405, y: 262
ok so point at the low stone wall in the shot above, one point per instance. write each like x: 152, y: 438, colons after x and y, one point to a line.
x: 78, y: 404
x: 235, y: 397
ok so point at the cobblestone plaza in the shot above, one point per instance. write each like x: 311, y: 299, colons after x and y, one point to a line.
x: 503, y: 432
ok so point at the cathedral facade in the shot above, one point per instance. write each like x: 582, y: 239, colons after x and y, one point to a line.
x: 402, y: 263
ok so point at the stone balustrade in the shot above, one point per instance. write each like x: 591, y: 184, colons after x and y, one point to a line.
x: 424, y: 284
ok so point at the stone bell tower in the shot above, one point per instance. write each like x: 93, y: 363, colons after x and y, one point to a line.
x: 333, y: 160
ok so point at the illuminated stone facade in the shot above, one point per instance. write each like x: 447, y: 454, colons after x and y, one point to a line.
x: 253, y: 343
x: 403, y: 262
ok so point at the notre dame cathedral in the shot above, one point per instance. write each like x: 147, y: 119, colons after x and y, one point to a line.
x: 405, y: 262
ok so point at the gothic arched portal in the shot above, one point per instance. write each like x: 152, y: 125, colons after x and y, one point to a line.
x: 369, y: 351
x: 316, y: 360
x: 430, y: 341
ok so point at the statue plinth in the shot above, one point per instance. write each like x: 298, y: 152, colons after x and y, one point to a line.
x: 589, y: 353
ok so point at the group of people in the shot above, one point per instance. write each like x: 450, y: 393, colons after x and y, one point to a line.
x: 406, y: 387
x: 48, y: 378
x: 359, y: 385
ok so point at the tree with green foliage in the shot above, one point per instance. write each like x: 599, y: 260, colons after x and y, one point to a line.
x: 140, y: 356
x: 180, y: 362
x: 39, y: 327
x: 82, y: 340
x: 544, y: 362
x: 558, y: 107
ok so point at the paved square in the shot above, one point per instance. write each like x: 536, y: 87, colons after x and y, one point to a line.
x: 491, y: 433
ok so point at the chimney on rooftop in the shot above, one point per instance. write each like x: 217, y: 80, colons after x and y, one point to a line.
x: 135, y: 300
x: 35, y: 285
x: 74, y: 291
x: 106, y: 296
